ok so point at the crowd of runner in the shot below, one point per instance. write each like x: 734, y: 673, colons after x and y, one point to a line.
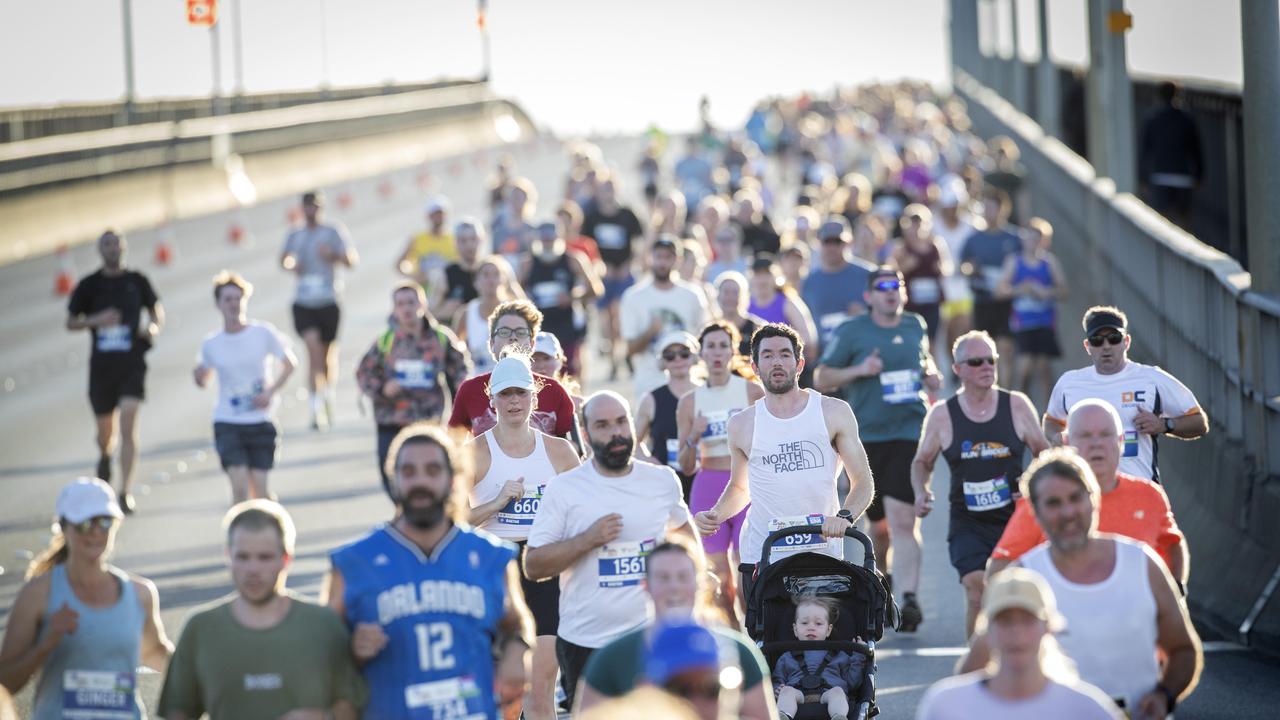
x: 797, y: 320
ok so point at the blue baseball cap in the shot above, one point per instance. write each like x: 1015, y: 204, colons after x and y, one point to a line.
x: 678, y: 647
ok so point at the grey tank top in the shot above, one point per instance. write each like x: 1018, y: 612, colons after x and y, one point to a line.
x: 91, y: 675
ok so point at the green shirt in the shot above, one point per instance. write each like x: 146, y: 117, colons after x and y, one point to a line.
x: 890, y: 406
x: 230, y: 671
x: 615, y: 669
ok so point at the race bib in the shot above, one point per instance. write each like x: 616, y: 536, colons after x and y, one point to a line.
x: 987, y: 495
x: 991, y: 277
x: 1028, y: 305
x: 924, y: 290
x: 98, y: 695
x: 313, y: 287
x: 900, y: 386
x: 673, y: 453
x: 452, y: 699
x: 117, y: 338
x: 415, y: 374
x: 792, y: 544
x: 520, y: 511
x: 547, y: 294
x: 1130, y: 443
x: 717, y: 425
x: 622, y: 564
x: 610, y: 236
x: 829, y: 322
x: 242, y: 397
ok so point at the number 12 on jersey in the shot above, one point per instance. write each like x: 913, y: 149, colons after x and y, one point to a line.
x: 435, y: 640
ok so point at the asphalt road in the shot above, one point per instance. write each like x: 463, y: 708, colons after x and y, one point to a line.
x: 328, y: 480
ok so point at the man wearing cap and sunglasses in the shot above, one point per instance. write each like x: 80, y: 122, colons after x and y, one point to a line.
x: 1151, y: 402
x: 881, y: 364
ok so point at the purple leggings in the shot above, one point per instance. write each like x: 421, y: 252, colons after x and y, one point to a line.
x: 708, y: 485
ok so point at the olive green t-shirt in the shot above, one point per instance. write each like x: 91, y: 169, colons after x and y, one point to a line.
x: 615, y: 669
x: 891, y: 405
x: 230, y: 671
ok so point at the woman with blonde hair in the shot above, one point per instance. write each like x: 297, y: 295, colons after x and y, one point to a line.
x: 471, y: 322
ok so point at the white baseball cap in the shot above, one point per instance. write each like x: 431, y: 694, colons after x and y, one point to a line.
x: 677, y: 337
x: 85, y: 498
x: 439, y: 203
x: 511, y: 371
x: 548, y: 344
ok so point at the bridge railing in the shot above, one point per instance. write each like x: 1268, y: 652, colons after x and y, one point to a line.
x: 1192, y: 312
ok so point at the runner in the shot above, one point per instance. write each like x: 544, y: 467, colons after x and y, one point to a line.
x: 83, y: 623
x: 512, y: 233
x: 1020, y: 618
x: 514, y: 464
x: 924, y: 261
x: 1115, y: 594
x: 656, y: 306
x: 1150, y: 401
x: 560, y: 281
x: 471, y: 321
x: 548, y: 360
x: 459, y: 286
x: 727, y: 246
x: 953, y: 223
x: 1034, y: 281
x: 1130, y: 506
x: 411, y: 371
x: 594, y: 528
x: 109, y: 304
x: 313, y: 253
x: 784, y: 454
x: 428, y: 252
x: 656, y: 416
x: 702, y: 420
x: 513, y: 324
x: 732, y: 297
x: 265, y: 651
x: 982, y: 259
x: 881, y: 364
x: 675, y: 579
x: 438, y: 623
x: 242, y: 355
x: 982, y: 431
x: 616, y: 230
x: 827, y: 287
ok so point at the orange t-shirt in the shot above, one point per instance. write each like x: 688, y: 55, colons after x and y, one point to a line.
x: 1136, y: 509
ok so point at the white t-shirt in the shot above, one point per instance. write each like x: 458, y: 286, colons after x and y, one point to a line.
x: 964, y: 697
x: 243, y: 362
x: 601, y: 597
x: 1136, y: 386
x: 955, y: 284
x: 681, y: 307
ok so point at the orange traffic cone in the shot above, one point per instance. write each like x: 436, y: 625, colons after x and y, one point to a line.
x: 235, y: 233
x: 386, y: 189
x: 344, y: 200
x: 164, y: 253
x: 64, y: 282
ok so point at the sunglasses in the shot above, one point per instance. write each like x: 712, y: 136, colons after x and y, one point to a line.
x: 518, y: 333
x: 672, y: 355
x: 103, y: 523
x: 887, y: 285
x: 1112, y: 338
x: 979, y: 362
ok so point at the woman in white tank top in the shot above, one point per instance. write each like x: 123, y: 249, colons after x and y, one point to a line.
x: 513, y: 463
x: 471, y: 322
x: 702, y: 421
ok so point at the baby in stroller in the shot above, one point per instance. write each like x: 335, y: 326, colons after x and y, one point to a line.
x: 826, y: 676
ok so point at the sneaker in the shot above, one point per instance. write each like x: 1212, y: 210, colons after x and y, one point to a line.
x: 104, y: 468
x: 127, y: 504
x: 910, y: 614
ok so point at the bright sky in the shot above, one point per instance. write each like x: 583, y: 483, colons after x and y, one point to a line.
x: 575, y: 65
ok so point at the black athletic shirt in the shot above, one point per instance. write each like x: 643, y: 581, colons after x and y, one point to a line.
x: 663, y: 429
x: 986, y: 461
x: 129, y: 293
x: 544, y: 284
x: 613, y: 234
x: 460, y: 283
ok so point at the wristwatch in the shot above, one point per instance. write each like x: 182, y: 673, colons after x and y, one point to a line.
x: 845, y: 514
x: 1168, y: 426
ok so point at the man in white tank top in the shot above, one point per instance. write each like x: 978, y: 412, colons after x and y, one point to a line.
x: 1117, y: 597
x: 784, y: 453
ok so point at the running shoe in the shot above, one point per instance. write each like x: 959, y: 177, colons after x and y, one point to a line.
x: 127, y: 504
x: 910, y: 613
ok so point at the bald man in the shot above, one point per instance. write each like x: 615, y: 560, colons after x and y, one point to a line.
x: 596, y: 525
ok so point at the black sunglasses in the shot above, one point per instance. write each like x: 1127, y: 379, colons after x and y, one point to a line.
x: 673, y: 354
x: 979, y: 362
x: 1114, y: 337
x: 102, y: 522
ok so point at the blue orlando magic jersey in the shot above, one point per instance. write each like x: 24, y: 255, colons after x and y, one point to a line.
x: 440, y: 613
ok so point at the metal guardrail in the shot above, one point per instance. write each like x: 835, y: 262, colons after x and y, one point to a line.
x: 43, y: 161
x: 1194, y: 314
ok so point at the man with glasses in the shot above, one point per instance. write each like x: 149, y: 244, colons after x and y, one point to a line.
x: 982, y: 432
x: 881, y: 364
x: 513, y: 325
x: 826, y: 289
x: 1151, y: 402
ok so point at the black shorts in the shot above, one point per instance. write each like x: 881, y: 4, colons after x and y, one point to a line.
x: 1038, y: 341
x: 112, y: 379
x: 970, y: 542
x: 993, y: 317
x: 325, y: 319
x: 572, y: 660
x: 891, y: 470
x: 253, y: 445
x: 543, y: 599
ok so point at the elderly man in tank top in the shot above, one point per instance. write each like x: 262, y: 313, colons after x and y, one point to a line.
x: 982, y: 433
x: 1118, y: 599
x: 785, y: 456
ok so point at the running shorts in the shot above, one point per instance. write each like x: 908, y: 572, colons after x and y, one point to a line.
x: 325, y: 319
x: 891, y: 469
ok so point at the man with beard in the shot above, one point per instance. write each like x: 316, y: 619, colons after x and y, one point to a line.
x: 597, y: 524
x: 785, y: 456
x: 658, y: 305
x: 265, y: 652
x: 109, y: 304
x: 432, y: 603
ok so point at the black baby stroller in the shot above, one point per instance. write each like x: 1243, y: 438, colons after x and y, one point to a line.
x: 863, y: 597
